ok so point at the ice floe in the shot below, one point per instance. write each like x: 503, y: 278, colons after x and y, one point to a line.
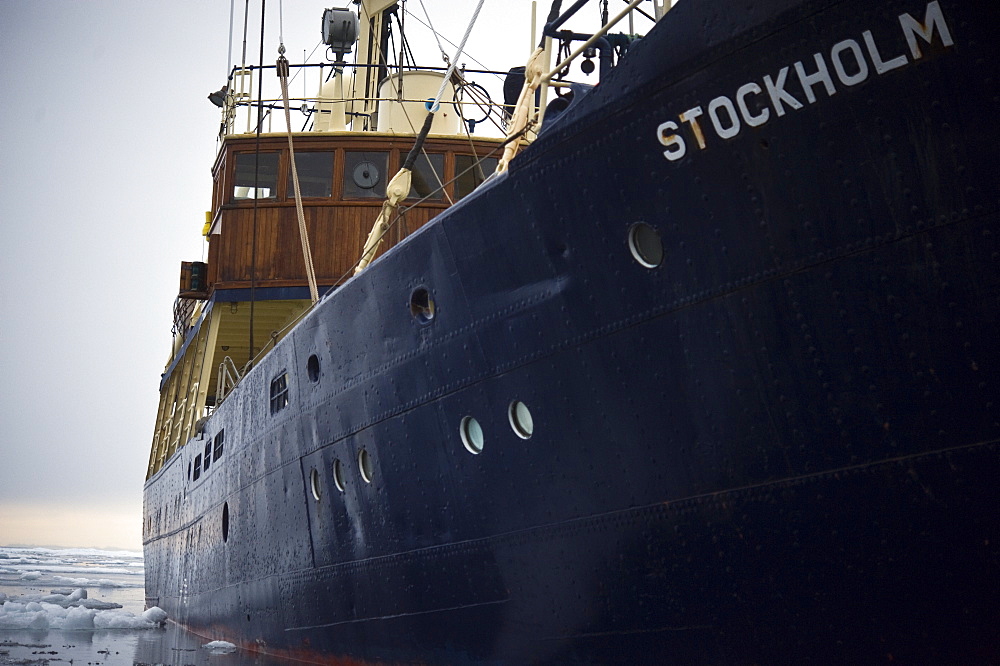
x: 72, y: 612
x: 220, y: 647
x: 94, y: 582
x: 155, y: 614
x: 48, y: 567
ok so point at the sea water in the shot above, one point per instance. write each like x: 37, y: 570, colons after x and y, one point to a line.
x: 87, y: 606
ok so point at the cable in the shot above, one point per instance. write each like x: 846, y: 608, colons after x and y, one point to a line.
x: 458, y: 54
x: 451, y: 43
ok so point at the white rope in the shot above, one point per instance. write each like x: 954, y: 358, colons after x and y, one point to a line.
x: 303, y: 233
x: 444, y: 56
x: 449, y: 42
x: 458, y: 54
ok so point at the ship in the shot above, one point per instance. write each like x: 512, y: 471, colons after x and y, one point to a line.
x: 695, y: 365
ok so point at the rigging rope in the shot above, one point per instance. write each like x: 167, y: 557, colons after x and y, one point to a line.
x: 458, y: 54
x: 451, y: 43
x: 303, y: 232
x: 444, y: 56
x: 256, y: 176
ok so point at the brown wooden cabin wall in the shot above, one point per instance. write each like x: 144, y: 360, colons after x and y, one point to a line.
x: 336, y: 235
x: 337, y: 227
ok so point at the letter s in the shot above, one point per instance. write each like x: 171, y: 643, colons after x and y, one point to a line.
x: 676, y: 147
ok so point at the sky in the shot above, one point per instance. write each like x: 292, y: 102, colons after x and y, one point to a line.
x: 108, y: 141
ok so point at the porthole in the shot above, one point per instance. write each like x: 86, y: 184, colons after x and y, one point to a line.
x: 472, y: 435
x: 338, y: 475
x: 366, y: 175
x: 645, y: 245
x: 422, y: 305
x: 314, y: 483
x: 225, y: 522
x: 312, y: 368
x: 365, y: 466
x: 520, y: 419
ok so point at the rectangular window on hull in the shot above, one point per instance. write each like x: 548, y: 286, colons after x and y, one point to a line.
x: 197, y: 467
x: 279, y: 393
x: 220, y: 439
x: 208, y: 454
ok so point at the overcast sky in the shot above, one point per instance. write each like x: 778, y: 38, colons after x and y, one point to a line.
x: 108, y: 142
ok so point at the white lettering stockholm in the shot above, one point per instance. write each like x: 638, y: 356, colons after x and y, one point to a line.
x: 851, y: 64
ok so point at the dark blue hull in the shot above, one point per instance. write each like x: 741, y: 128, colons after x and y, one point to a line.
x: 780, y: 445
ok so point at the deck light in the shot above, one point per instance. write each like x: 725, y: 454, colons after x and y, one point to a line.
x: 218, y: 98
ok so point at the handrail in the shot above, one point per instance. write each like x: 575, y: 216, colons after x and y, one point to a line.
x: 240, y: 94
x: 229, y: 377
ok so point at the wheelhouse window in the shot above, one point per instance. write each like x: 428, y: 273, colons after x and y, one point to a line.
x: 427, y: 176
x: 365, y: 173
x: 469, y: 174
x: 263, y: 185
x: 315, y: 175
x: 279, y: 393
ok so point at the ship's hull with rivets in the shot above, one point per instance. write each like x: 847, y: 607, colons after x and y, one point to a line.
x: 778, y: 444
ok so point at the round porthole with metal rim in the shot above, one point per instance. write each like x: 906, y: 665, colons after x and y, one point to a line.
x: 645, y: 245
x: 365, y: 466
x: 314, y: 483
x: 472, y: 435
x: 520, y: 419
x: 338, y: 475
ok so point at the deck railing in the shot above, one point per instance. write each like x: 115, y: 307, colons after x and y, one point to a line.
x: 241, y: 99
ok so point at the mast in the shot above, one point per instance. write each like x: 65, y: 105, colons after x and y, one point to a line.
x: 372, y: 50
